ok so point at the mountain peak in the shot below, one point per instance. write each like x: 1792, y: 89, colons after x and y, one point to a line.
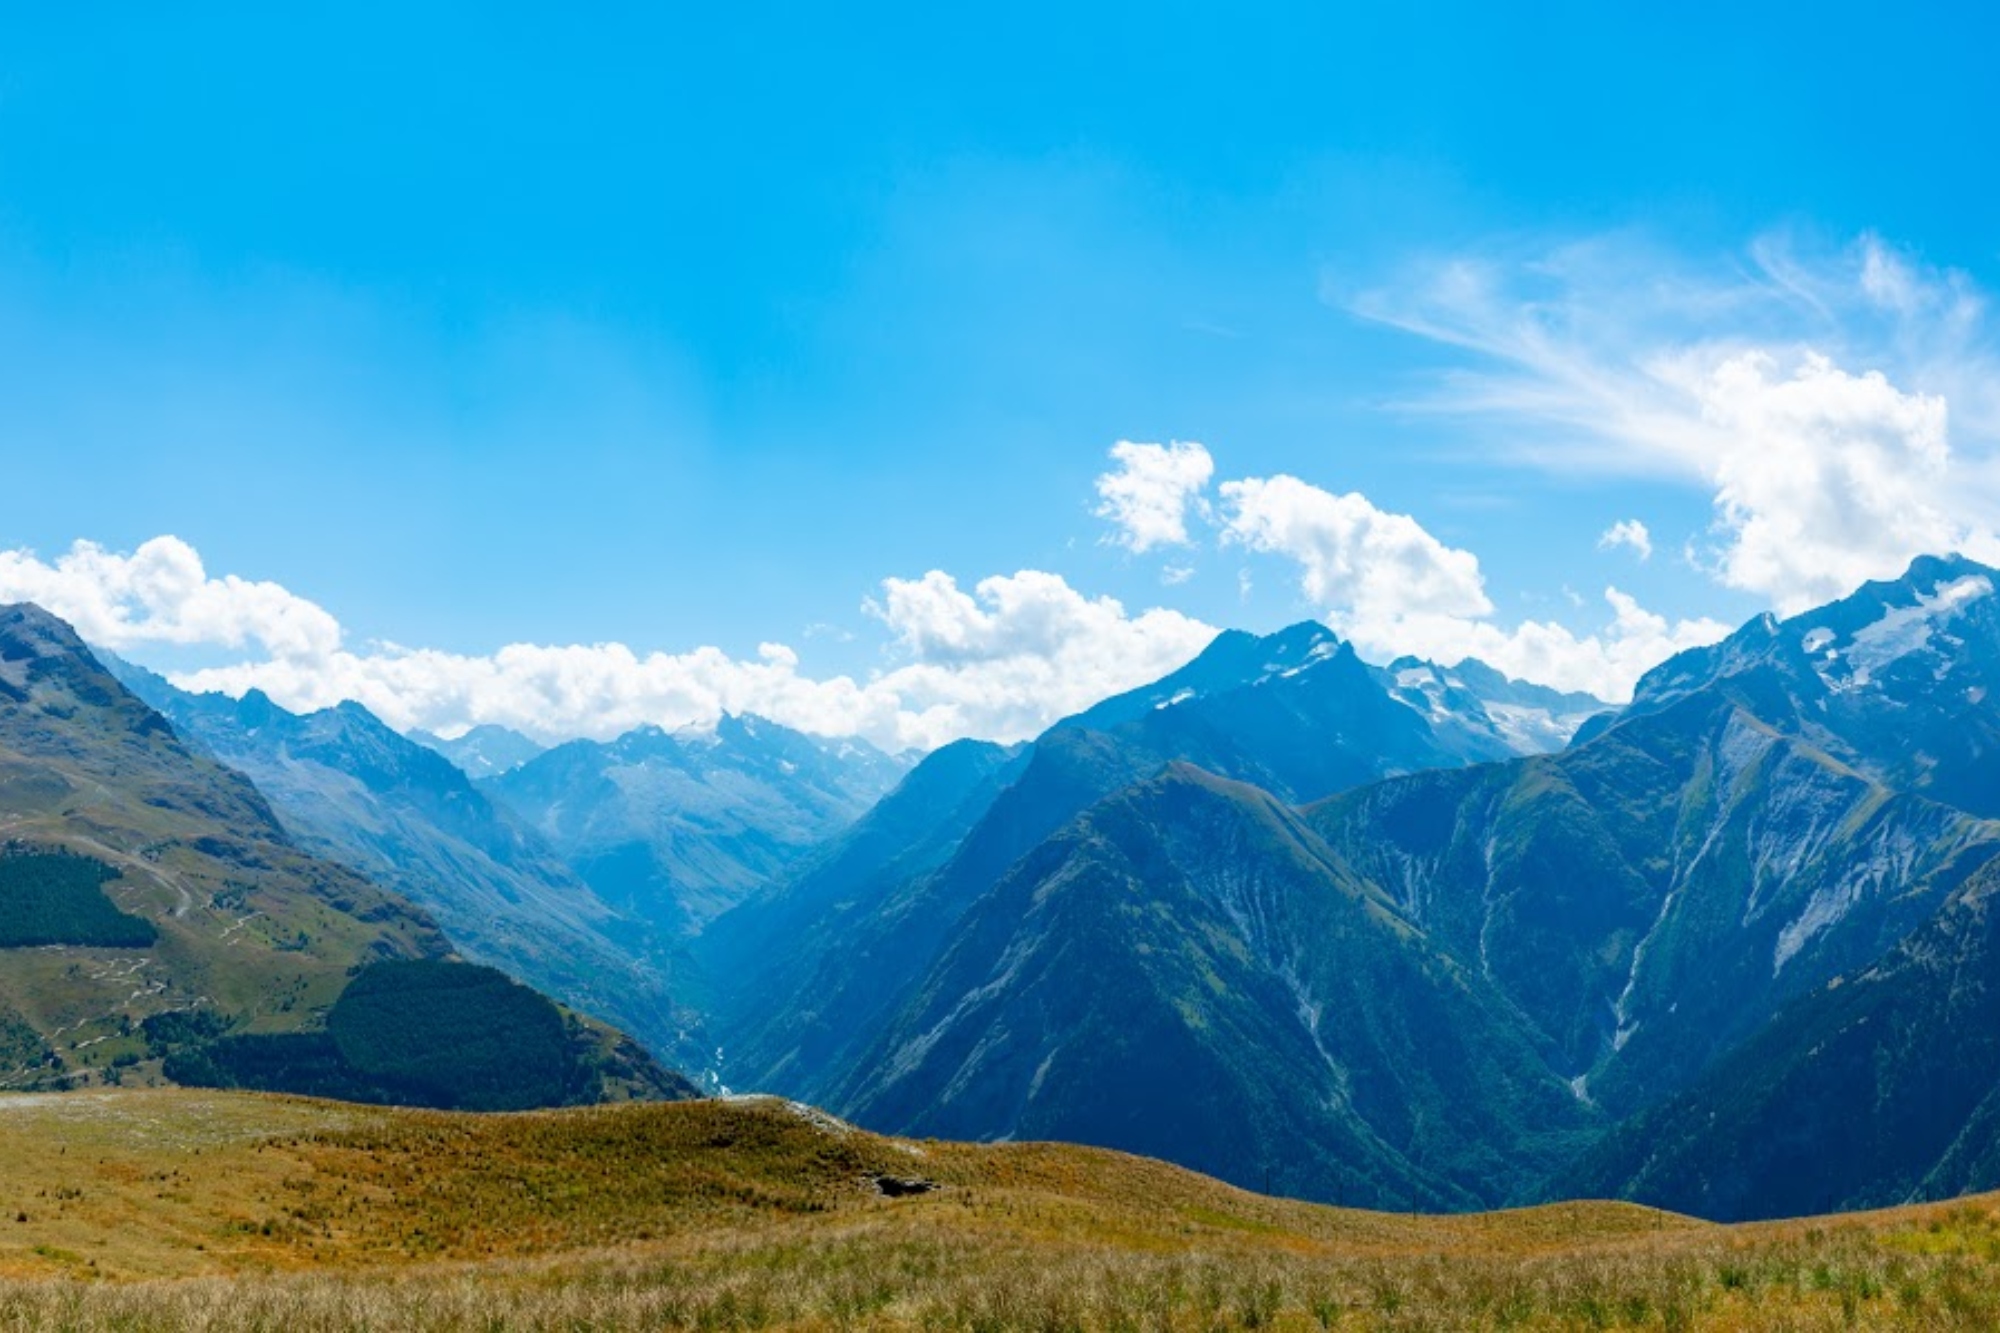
x: 31, y: 636
x: 485, y: 750
x: 1232, y: 659
x: 1928, y: 570
x: 28, y: 624
x: 43, y: 658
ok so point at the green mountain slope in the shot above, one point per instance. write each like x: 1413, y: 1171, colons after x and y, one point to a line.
x: 248, y: 925
x: 1647, y: 899
x: 1880, y: 1087
x: 776, y: 943
x: 1296, y: 713
x: 1187, y: 971
x: 1621, y: 917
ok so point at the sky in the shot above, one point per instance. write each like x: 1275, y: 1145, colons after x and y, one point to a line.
x: 913, y: 373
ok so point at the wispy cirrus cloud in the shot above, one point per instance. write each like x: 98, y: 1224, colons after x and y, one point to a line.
x: 1841, y: 407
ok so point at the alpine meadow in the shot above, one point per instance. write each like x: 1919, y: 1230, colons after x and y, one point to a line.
x: 1094, y: 668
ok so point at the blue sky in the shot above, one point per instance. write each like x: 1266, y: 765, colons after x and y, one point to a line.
x: 677, y: 328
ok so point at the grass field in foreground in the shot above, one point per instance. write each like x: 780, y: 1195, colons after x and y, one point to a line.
x: 224, y: 1211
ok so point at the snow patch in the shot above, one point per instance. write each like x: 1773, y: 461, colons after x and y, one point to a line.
x: 1904, y: 630
x: 1533, y: 730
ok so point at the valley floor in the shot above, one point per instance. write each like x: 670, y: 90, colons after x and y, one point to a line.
x: 179, y: 1209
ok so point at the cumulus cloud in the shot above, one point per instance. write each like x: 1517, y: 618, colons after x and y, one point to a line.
x: 1001, y: 661
x: 161, y: 593
x: 1393, y: 588
x: 1371, y: 565
x: 1839, y: 478
x: 1147, y: 497
x: 1848, y: 420
x: 1606, y: 662
x: 1629, y: 532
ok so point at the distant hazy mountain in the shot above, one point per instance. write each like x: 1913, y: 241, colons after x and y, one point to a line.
x: 1486, y: 709
x: 673, y: 828
x: 485, y: 751
x: 352, y: 790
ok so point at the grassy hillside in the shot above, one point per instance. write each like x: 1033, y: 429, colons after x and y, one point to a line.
x: 173, y: 1208
x: 141, y: 879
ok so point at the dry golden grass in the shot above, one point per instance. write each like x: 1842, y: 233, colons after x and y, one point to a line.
x: 177, y: 1209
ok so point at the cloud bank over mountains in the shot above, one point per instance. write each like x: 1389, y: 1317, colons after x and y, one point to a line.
x: 1388, y: 584
x: 1002, y: 660
x: 1849, y: 420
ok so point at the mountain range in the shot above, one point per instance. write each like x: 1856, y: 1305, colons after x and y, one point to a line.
x: 802, y: 978
x: 1300, y: 921
x: 1403, y: 935
x: 484, y: 751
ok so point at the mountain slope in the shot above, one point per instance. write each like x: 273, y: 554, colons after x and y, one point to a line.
x: 351, y: 790
x: 1625, y: 913
x: 247, y: 924
x: 775, y: 943
x: 672, y: 829
x: 154, y: 910
x: 1649, y: 897
x: 1880, y: 1087
x: 1186, y: 971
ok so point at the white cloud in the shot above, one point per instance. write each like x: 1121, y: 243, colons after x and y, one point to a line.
x: 1148, y: 495
x: 1393, y: 588
x: 1003, y: 661
x: 1606, y: 662
x: 1830, y: 479
x: 1628, y: 532
x: 161, y: 593
x: 1822, y: 425
x: 1374, y: 565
